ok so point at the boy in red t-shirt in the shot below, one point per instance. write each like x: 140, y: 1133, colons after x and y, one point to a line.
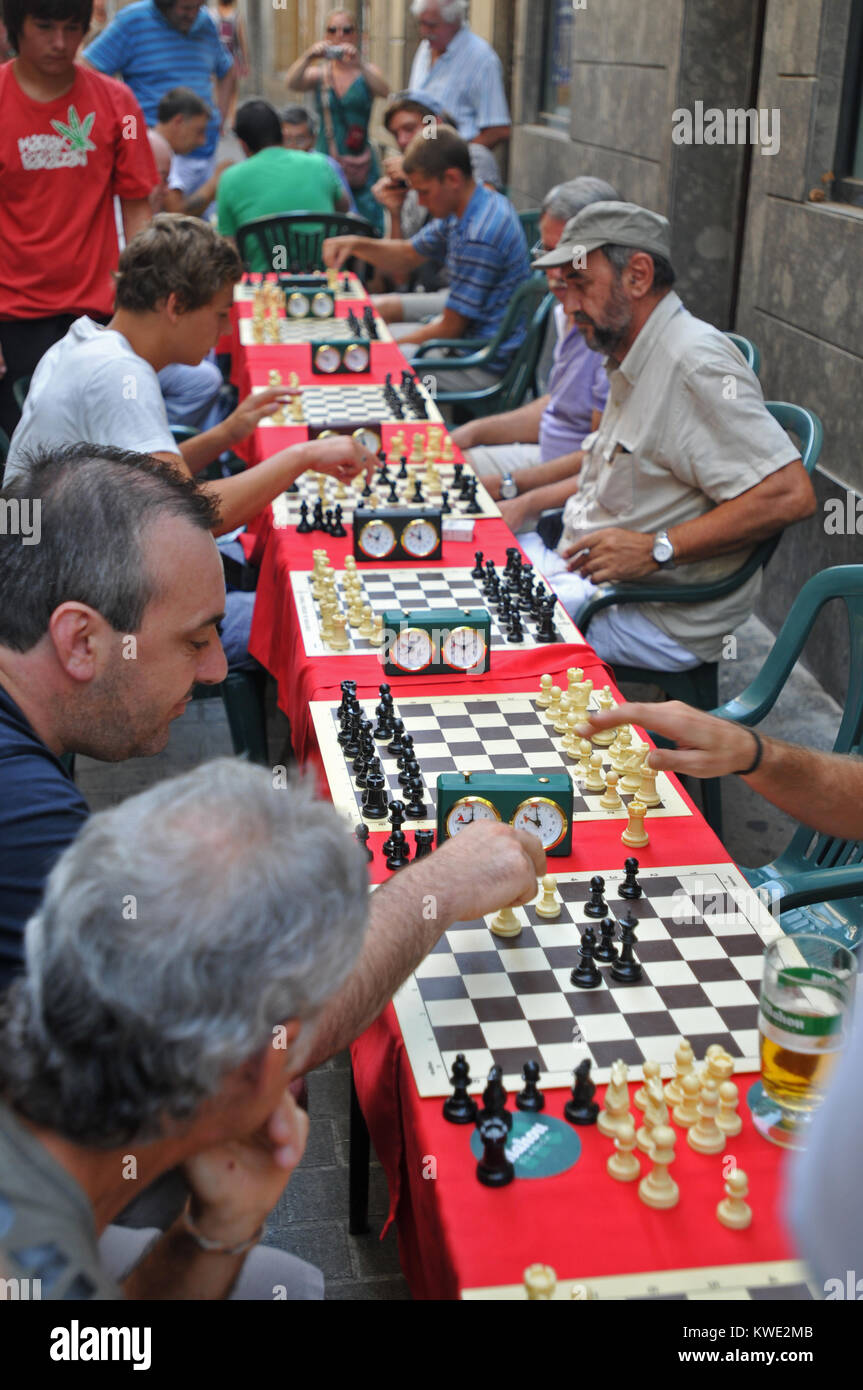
x: 70, y: 140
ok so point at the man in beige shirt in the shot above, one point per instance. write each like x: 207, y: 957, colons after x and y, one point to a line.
x: 687, y: 471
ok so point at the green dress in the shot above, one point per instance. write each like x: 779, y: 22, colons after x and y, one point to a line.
x: 354, y: 108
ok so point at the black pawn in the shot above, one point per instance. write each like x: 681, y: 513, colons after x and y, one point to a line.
x: 394, y: 747
x: 596, y: 906
x: 531, y: 1098
x: 399, y: 855
x: 586, y: 975
x: 606, y: 951
x: 473, y: 508
x: 494, y: 1168
x: 516, y: 631
x: 478, y: 572
x: 627, y: 970
x: 494, y: 1099
x: 445, y: 506
x: 460, y: 1108
x: 338, y: 529
x: 362, y: 834
x: 582, y: 1109
x: 418, y: 497
x: 304, y: 525
x: 394, y: 494
x: 416, y: 808
x: 630, y: 887
x: 403, y: 467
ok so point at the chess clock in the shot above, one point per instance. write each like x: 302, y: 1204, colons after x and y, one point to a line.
x: 305, y: 298
x: 542, y: 806
x: 341, y: 357
x: 397, y: 533
x: 436, y: 641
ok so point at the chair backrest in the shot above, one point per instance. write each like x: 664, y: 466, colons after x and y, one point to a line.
x: 20, y: 389
x: 519, y: 375
x: 750, y: 352
x: 530, y: 221
x: 298, y: 235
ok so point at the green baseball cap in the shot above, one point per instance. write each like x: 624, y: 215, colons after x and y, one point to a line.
x: 603, y: 224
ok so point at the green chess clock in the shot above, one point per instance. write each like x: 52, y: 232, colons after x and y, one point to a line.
x: 308, y: 298
x: 540, y: 805
x: 397, y: 533
x: 436, y: 641
x: 341, y: 357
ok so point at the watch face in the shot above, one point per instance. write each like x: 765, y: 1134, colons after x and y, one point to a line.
x: 464, y: 648
x: 412, y: 649
x: 508, y: 489
x: 377, y: 539
x: 662, y: 549
x: 356, y: 357
x: 322, y: 306
x: 369, y: 439
x: 297, y: 306
x: 419, y: 538
x: 328, y: 358
x: 543, y: 818
x: 467, y: 810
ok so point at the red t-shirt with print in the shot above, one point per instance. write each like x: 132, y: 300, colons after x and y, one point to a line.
x: 61, y: 162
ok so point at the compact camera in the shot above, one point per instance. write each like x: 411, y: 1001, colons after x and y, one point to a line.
x: 335, y: 51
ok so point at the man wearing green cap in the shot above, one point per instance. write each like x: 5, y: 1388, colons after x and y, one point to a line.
x: 687, y: 471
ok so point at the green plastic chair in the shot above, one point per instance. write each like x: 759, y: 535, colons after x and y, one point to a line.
x: 817, y: 881
x: 747, y: 348
x: 530, y: 222
x: 20, y: 389
x: 302, y: 234
x: 242, y: 693
x: 700, y: 686
x: 531, y: 303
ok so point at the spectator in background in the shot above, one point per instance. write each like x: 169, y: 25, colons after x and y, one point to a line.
x: 156, y: 45
x: 480, y: 237
x: 232, y: 32
x: 345, y: 87
x: 272, y: 179
x: 461, y: 71
x: 70, y: 140
x: 300, y: 132
x: 183, y: 118
x: 162, y: 154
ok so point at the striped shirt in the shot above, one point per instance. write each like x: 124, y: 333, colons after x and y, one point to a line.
x: 467, y: 80
x: 485, y: 253
x: 152, y: 57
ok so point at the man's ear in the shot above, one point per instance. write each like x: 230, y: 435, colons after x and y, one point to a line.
x: 638, y: 274
x: 77, y: 634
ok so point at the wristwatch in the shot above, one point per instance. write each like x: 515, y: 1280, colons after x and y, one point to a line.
x: 663, y: 550
x: 508, y: 488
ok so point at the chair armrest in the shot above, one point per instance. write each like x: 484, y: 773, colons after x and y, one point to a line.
x: 472, y: 343
x: 821, y: 885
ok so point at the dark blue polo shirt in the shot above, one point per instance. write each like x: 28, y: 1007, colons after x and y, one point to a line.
x: 41, y: 812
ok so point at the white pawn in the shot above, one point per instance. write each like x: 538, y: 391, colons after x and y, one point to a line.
x: 728, y: 1119
x: 658, y: 1189
x: 543, y: 699
x: 540, y: 1281
x: 377, y: 637
x: 367, y: 626
x: 610, y: 800
x: 560, y: 722
x: 623, y: 1164
x: 584, y: 750
x: 705, y: 1137
x: 549, y: 903
x: 655, y: 1114
x: 686, y: 1111
x: 595, y: 782
x: 553, y: 708
x: 615, y: 1111
x: 733, y: 1211
x: 635, y: 836
x: 647, y: 793
x: 571, y: 741
x: 506, y: 923
x: 684, y: 1061
x: 652, y: 1071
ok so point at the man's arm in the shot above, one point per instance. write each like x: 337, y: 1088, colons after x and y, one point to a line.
x: 136, y: 214
x: 449, y: 324
x: 821, y: 790
x: 395, y: 257
x: 493, y: 135
x: 512, y: 427
x: 484, y: 868
x: 522, y: 513
x: 780, y: 499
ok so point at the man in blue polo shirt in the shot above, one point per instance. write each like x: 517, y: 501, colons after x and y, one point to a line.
x: 475, y: 232
x: 156, y: 45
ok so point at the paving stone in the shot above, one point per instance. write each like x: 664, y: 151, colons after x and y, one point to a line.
x: 372, y: 1256
x: 378, y: 1290
x: 322, y: 1243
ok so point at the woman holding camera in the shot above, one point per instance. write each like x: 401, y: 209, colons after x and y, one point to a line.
x: 345, y: 86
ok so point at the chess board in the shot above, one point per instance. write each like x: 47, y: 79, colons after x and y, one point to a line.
x: 504, y: 1001
x: 478, y: 733
x: 286, y: 507
x: 414, y: 589
x: 782, y: 1281
x: 334, y: 330
x: 341, y: 407
x: 244, y: 290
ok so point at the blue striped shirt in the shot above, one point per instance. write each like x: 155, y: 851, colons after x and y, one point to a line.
x: 485, y: 252
x: 467, y: 80
x: 152, y: 57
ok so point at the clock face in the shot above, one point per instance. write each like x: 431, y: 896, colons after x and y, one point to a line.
x: 377, y: 539
x: 543, y: 818
x: 369, y: 439
x: 322, y: 306
x: 297, y: 306
x: 467, y: 810
x: 464, y: 647
x: 356, y: 357
x: 419, y: 538
x: 328, y: 358
x: 412, y: 649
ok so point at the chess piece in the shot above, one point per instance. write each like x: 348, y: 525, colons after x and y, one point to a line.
x: 719, y: 1065
x: 543, y: 699
x: 647, y: 793
x: 652, y: 1071
x: 540, y: 1281
x: 631, y: 778
x: 582, y: 1109
x: 585, y: 751
x: 684, y: 1062
x: 686, y: 1111
x: 623, y: 1164
x: 658, y: 1189
x: 530, y: 1098
x: 494, y: 1168
x: 478, y: 573
x: 424, y: 839
x: 553, y: 708
x: 596, y: 906
x: 560, y: 721
x: 549, y: 903
x: 610, y: 799
x: 304, y: 526
x: 494, y: 1099
x: 733, y: 1212
x: 340, y: 641
x: 626, y: 970
x: 615, y: 1111
x: 506, y: 923
x: 586, y: 975
x: 374, y: 804
x: 630, y: 888
x: 705, y: 1136
x: 655, y: 1114
x: 595, y: 782
x: 362, y: 835
x: 605, y: 701
x: 460, y: 1108
x: 728, y: 1119
x: 635, y: 836
x: 606, y: 951
x: 398, y: 854
x: 574, y: 677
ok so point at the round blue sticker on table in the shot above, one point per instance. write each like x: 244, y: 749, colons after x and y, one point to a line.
x: 539, y: 1146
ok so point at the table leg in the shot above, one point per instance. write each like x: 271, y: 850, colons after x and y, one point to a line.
x: 358, y: 1168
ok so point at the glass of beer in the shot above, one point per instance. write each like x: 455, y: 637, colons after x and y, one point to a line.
x: 807, y: 993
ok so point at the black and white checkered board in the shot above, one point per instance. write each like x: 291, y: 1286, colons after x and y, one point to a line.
x: 244, y: 291
x: 294, y: 331
x: 770, y: 1281
x: 286, y: 508
x: 505, y: 1001
x: 336, y: 407
x: 483, y: 733
x: 413, y: 589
